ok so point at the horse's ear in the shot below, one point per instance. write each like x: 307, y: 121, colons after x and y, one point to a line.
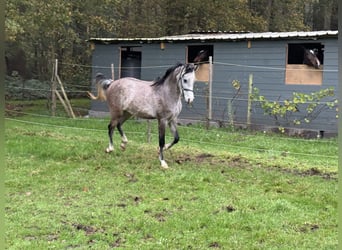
x: 189, y: 68
x: 192, y: 66
x: 99, y: 76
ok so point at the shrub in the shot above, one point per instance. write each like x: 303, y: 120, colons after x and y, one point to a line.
x: 17, y: 88
x: 299, y: 108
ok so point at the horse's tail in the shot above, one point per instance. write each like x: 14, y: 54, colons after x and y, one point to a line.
x: 102, y: 85
x: 100, y: 94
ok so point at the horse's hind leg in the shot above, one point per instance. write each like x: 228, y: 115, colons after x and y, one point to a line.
x: 111, y: 127
x: 124, y: 140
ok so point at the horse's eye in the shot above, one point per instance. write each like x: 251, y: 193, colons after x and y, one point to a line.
x: 185, y: 80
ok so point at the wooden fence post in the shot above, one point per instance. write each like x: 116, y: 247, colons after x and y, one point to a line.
x: 249, y: 100
x: 230, y: 112
x: 65, y: 102
x: 53, y: 90
x: 210, y: 91
x: 112, y: 67
x: 71, y: 112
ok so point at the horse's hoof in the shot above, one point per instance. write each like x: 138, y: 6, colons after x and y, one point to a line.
x: 108, y: 150
x: 123, y: 147
x: 164, y: 164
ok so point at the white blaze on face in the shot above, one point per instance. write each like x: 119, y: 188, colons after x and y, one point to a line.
x: 188, y: 86
x: 317, y: 61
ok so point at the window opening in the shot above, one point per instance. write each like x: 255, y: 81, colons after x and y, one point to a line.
x: 304, y: 63
x: 199, y: 54
x: 297, y: 51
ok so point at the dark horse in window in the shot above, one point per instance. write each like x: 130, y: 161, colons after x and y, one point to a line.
x: 311, y: 59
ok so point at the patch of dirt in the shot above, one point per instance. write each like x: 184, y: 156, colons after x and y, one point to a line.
x: 201, y: 157
x: 89, y: 230
x: 118, y: 242
x: 52, y: 237
x: 159, y: 217
x: 307, y: 227
x: 29, y: 237
x: 147, y: 211
x: 240, y: 162
x: 214, y: 245
x: 197, y: 158
x: 148, y: 237
x: 131, y: 177
x: 310, y: 172
x: 229, y: 208
x: 183, y: 159
x: 137, y: 199
x: 123, y: 205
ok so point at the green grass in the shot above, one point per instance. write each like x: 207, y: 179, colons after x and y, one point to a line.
x: 224, y: 189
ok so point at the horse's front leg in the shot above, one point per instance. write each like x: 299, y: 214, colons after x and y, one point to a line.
x: 111, y: 127
x: 162, y: 125
x: 173, y: 128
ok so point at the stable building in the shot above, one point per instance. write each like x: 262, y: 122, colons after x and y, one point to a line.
x: 236, y: 63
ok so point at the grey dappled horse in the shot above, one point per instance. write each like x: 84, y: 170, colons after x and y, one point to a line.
x: 161, y: 100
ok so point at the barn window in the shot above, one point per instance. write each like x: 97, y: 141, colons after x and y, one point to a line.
x: 200, y: 54
x: 302, y: 66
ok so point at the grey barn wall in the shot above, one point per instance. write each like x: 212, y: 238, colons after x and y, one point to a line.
x: 270, y: 82
x: 270, y: 54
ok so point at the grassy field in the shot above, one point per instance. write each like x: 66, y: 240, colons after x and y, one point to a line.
x: 224, y: 190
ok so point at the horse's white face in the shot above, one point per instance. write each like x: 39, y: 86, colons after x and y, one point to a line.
x: 187, y: 82
x: 315, y: 58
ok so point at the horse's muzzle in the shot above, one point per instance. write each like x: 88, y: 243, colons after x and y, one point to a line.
x: 188, y: 95
x: 189, y: 100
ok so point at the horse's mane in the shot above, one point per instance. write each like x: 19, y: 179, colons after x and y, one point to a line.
x: 161, y: 80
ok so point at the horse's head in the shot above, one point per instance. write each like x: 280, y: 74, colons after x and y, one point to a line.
x: 187, y: 80
x: 184, y: 76
x: 99, y: 77
x: 310, y: 58
x: 202, y: 56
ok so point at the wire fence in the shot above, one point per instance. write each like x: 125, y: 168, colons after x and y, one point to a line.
x: 230, y: 65
x: 45, y: 121
x: 221, y: 99
x: 58, y: 121
x: 69, y: 89
x: 15, y: 113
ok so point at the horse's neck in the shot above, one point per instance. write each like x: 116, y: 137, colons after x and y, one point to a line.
x: 172, y: 90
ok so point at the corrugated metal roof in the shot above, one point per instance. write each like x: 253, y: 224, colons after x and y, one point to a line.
x: 224, y: 36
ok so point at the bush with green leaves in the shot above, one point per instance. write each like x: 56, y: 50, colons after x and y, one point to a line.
x: 20, y: 89
x: 299, y: 108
